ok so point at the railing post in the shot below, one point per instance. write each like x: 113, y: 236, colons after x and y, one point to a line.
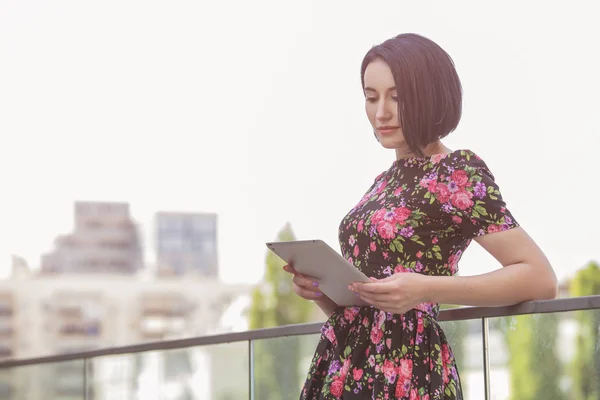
x: 251, y: 369
x: 85, y: 377
x: 486, y: 357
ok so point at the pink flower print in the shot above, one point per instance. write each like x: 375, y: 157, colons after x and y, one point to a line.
x: 361, y: 225
x: 398, y: 191
x: 399, y: 269
x: 432, y: 186
x: 378, y: 216
x: 400, y: 389
x: 414, y: 395
x: 345, y: 368
x: 389, y: 371
x: 357, y: 374
x: 420, y: 325
x: 350, y: 314
x: 376, y: 335
x: 351, y: 240
x: 493, y: 228
x: 388, y: 343
x: 460, y: 177
x: 434, y: 240
x: 424, y: 182
x: 337, y: 388
x: 330, y: 334
x: 387, y: 230
x: 419, y: 254
x: 372, y: 246
x: 405, y: 369
x: 445, y: 354
x: 401, y: 214
x: 436, y: 158
x: 454, y: 259
x: 456, y: 219
x: 381, y: 186
x: 462, y: 200
x: 372, y: 361
x: 356, y: 250
x: 442, y: 192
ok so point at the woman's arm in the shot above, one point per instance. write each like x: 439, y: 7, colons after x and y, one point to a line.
x: 326, y: 305
x: 527, y: 275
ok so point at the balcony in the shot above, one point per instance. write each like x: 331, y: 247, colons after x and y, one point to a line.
x: 271, y: 363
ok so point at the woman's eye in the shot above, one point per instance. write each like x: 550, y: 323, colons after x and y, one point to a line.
x: 371, y: 99
x: 395, y: 98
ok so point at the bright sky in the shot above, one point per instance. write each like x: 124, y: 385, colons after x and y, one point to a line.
x: 253, y: 110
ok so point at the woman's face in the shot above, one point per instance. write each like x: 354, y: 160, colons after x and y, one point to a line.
x: 381, y: 104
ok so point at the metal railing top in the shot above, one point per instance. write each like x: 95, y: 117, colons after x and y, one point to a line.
x: 454, y: 314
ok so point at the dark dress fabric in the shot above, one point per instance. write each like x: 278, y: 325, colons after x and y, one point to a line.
x: 419, y: 216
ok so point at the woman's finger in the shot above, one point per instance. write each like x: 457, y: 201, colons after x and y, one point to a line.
x: 307, y: 293
x: 305, y: 281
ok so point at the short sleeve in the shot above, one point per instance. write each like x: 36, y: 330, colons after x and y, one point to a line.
x: 473, y: 198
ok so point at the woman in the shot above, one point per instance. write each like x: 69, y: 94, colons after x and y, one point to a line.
x: 408, y: 233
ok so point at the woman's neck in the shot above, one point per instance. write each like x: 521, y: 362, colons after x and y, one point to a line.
x: 432, y: 148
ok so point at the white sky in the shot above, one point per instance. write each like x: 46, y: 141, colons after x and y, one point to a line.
x: 253, y: 110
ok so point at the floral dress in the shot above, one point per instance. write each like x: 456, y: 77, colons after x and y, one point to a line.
x: 419, y: 216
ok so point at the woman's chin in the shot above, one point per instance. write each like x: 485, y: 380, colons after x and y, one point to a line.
x: 390, y: 142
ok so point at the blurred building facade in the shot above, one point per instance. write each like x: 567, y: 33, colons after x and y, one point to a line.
x: 45, y: 314
x: 104, y: 240
x: 94, y: 291
x: 186, y: 243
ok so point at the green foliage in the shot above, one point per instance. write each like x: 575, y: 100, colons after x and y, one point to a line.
x: 533, y: 362
x: 274, y: 303
x: 585, y: 369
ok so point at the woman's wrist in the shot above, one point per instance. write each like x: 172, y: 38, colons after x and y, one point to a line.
x: 326, y: 305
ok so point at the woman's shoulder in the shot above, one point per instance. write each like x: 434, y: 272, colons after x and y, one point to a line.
x: 465, y: 159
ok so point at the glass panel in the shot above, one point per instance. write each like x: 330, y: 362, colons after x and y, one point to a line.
x: 467, y: 344
x: 547, y: 356
x: 217, y: 372
x: 281, y: 365
x: 63, y: 381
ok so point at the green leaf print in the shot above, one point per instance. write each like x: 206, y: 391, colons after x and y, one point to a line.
x: 432, y: 200
x: 438, y: 256
x: 347, y: 351
x: 480, y: 210
x: 392, y: 246
x: 447, y: 391
x: 404, y: 350
x: 398, y: 244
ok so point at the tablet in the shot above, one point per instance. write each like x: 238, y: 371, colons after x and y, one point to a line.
x: 315, y: 258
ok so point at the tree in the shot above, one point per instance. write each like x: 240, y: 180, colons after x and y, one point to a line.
x: 274, y: 303
x: 585, y: 369
x: 533, y: 362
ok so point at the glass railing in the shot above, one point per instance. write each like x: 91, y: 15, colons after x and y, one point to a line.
x: 536, y: 350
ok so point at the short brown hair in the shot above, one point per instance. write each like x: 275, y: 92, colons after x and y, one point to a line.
x: 429, y: 90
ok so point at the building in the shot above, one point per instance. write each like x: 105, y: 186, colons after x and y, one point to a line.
x: 104, y: 240
x: 43, y: 314
x: 186, y: 243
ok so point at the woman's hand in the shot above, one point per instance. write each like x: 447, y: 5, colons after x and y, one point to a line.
x: 308, y: 288
x: 396, y: 294
x: 305, y: 286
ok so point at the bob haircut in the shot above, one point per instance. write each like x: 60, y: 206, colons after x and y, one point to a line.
x: 428, y: 87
